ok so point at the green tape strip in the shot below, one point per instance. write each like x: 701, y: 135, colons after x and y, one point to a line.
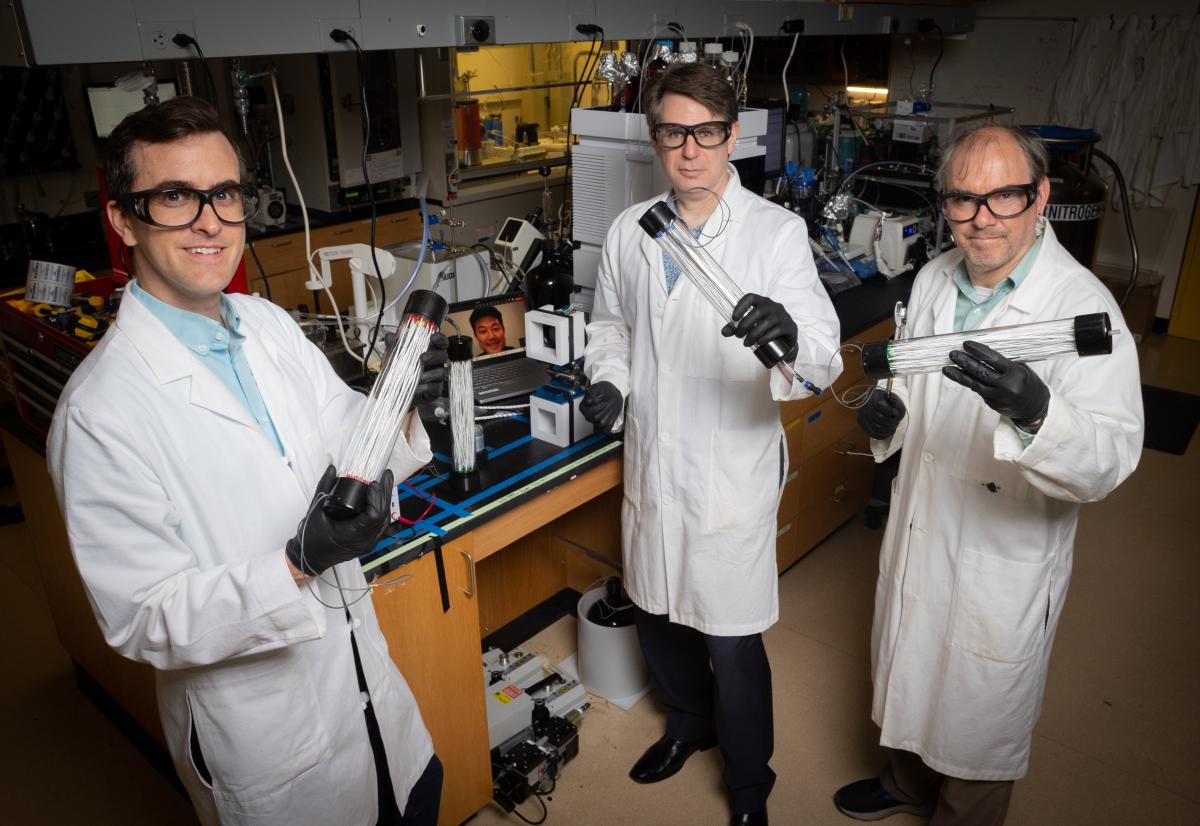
x: 508, y: 497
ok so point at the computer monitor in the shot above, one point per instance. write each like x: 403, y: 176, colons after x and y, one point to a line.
x: 109, y: 105
x: 496, y: 323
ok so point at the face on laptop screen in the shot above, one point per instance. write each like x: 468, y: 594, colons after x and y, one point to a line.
x: 496, y: 324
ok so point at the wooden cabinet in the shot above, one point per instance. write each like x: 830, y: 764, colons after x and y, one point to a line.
x: 283, y: 257
x: 829, y: 478
x: 439, y: 655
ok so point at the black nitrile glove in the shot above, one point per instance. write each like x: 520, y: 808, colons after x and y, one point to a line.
x: 433, y: 370
x: 322, y: 541
x: 602, y: 404
x: 759, y: 320
x: 881, y: 415
x: 1008, y: 387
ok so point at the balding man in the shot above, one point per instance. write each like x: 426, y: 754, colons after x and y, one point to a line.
x: 998, y: 456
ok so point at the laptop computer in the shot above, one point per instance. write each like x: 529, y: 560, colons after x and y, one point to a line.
x: 501, y: 369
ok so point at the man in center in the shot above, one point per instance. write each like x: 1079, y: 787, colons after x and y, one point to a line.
x: 705, y: 453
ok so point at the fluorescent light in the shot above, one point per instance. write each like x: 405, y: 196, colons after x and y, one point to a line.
x: 867, y: 90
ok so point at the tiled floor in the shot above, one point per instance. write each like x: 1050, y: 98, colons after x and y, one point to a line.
x: 1118, y: 741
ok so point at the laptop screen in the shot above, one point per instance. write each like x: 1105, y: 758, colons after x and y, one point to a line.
x: 496, y: 323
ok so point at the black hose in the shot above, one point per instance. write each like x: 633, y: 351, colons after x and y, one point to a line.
x: 1125, y: 208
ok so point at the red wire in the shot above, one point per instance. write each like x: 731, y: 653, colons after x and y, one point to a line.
x: 432, y: 502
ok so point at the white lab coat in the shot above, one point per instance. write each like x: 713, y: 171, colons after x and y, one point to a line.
x: 976, y: 557
x: 705, y: 455
x: 178, y: 508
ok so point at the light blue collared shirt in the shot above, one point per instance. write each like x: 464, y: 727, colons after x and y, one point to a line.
x: 220, y: 346
x: 971, y: 308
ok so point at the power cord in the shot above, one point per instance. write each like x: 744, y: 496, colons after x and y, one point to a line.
x: 183, y: 41
x: 589, y: 66
x: 266, y: 281
x: 343, y: 36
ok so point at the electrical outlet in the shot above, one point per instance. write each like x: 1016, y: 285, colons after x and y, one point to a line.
x: 476, y: 31
x: 325, y: 25
x: 156, y: 40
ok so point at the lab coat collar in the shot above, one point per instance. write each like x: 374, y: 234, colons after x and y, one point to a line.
x: 722, y: 221
x: 1032, y: 293
x: 170, y: 361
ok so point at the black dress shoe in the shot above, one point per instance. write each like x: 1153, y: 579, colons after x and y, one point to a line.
x: 665, y: 758
x: 758, y: 818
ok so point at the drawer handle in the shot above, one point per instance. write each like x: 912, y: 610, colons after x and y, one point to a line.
x: 847, y: 449
x: 840, y: 493
x: 469, y: 591
x: 343, y: 231
x: 278, y: 245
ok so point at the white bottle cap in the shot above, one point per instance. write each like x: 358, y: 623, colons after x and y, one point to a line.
x: 713, y: 49
x: 730, y: 57
x: 687, y: 47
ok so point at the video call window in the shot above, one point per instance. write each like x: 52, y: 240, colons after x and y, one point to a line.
x: 496, y: 324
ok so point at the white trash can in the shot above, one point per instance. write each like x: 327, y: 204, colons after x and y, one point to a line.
x: 610, y: 659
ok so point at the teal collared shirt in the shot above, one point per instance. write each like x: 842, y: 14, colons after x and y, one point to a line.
x: 970, y: 308
x: 220, y: 346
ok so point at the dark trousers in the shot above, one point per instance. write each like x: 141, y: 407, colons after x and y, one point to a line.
x: 716, y: 688
x: 959, y: 802
x: 424, y: 800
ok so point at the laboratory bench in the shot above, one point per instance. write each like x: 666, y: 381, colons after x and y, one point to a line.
x: 539, y: 521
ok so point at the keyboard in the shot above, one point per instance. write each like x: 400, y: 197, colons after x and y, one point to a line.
x: 503, y: 380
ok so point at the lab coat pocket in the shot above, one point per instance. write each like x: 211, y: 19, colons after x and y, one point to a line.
x: 1000, y: 606
x: 245, y: 728
x: 743, y: 481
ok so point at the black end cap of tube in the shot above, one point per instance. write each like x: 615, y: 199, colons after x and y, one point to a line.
x: 461, y: 348
x: 348, y: 498
x: 1093, y: 334
x: 427, y: 303
x: 770, y: 353
x: 656, y: 219
x: 875, y: 360
x: 465, y: 482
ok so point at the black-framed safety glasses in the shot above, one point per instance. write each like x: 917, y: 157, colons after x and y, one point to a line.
x: 707, y: 135
x: 176, y: 207
x: 1005, y: 202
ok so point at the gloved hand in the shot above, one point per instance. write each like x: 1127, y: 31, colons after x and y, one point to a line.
x: 759, y: 320
x: 1008, y: 387
x: 881, y: 415
x: 433, y: 370
x: 322, y: 542
x: 602, y: 404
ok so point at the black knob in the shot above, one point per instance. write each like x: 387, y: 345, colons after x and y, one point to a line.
x: 481, y: 31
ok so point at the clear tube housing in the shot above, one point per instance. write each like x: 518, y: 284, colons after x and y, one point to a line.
x: 674, y: 236
x: 462, y: 404
x: 379, y: 422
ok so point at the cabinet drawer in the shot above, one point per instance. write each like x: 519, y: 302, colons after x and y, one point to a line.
x: 398, y: 228
x: 834, y: 486
x: 354, y: 232
x: 279, y: 253
x: 822, y: 426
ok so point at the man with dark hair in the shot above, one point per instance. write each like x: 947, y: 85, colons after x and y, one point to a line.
x: 705, y: 454
x: 184, y: 452
x: 488, y: 326
x: 997, y: 458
